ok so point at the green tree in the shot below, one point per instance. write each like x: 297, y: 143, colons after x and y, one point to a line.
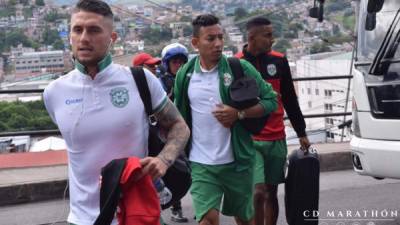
x: 35, y: 105
x: 155, y: 51
x: 319, y: 47
x: 7, y: 11
x: 41, y: 123
x: 337, y: 6
x: 28, y: 12
x: 12, y: 2
x: 166, y: 34
x: 58, y: 45
x: 348, y: 12
x: 187, y: 30
x: 296, y: 27
x: 19, y: 109
x: 153, y: 36
x: 13, y: 38
x: 340, y: 39
x: 17, y: 122
x: 186, y: 19
x: 240, y: 13
x: 3, y: 127
x: 291, y: 34
x: 19, y: 116
x: 54, y: 16
x: 335, y: 29
x: 282, y: 45
x: 5, y: 113
x: 50, y: 36
x: 24, y: 2
x: 280, y: 24
x: 39, y: 2
x: 349, y: 22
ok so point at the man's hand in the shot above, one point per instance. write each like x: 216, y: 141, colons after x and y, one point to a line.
x: 154, y: 167
x: 226, y: 115
x: 304, y: 143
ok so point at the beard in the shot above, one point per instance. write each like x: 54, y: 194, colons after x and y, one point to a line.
x: 92, y: 61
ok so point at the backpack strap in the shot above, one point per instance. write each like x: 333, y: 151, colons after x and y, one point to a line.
x: 144, y: 92
x: 236, y: 67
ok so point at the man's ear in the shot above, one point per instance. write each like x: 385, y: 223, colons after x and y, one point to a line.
x: 195, y: 41
x: 250, y: 36
x: 114, y: 36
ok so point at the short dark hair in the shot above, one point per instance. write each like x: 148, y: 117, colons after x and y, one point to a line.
x: 203, y: 20
x: 256, y: 22
x: 94, y: 6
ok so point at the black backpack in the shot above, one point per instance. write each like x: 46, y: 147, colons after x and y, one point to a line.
x: 177, y: 178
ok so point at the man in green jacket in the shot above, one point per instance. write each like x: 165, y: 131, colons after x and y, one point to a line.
x: 221, y: 151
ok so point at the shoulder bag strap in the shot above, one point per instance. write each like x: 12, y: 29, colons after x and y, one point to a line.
x: 236, y: 67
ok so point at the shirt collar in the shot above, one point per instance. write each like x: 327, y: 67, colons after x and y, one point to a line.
x: 106, y: 61
x: 250, y: 56
x: 199, y: 69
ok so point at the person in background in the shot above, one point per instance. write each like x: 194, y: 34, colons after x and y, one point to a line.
x: 173, y: 56
x: 271, y: 142
x: 147, y: 61
x: 99, y: 112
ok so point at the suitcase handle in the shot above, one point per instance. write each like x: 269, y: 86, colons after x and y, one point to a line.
x: 310, y: 149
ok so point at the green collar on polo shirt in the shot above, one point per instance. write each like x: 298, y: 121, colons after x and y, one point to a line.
x: 197, y: 66
x: 106, y: 61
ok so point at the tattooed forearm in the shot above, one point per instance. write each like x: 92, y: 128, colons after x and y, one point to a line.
x: 171, y: 120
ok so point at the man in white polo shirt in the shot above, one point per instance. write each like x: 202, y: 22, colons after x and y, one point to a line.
x: 221, y: 150
x: 100, y: 114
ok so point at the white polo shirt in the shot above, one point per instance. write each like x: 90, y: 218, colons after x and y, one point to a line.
x: 100, y: 119
x: 211, y: 142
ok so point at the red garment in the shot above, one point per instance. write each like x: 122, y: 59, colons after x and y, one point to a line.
x: 139, y: 204
x: 274, y: 68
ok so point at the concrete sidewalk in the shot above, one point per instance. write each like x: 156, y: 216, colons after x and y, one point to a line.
x: 25, y: 179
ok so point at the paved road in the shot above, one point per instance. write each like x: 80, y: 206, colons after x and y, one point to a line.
x: 342, y: 192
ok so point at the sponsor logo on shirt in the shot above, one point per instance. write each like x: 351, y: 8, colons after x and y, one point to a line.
x: 73, y: 101
x: 119, y: 97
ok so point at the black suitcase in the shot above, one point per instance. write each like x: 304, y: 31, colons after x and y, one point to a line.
x: 302, y: 188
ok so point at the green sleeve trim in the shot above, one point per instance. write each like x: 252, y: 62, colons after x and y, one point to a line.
x: 161, y: 105
x: 106, y: 61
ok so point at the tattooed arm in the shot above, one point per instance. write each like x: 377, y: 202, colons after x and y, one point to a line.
x: 178, y: 134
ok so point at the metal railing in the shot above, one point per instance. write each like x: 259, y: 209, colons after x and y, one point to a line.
x: 335, y: 77
x: 57, y: 132
x: 21, y: 91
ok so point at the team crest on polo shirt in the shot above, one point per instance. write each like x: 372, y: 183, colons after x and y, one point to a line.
x: 227, y: 79
x: 271, y: 69
x: 119, y: 97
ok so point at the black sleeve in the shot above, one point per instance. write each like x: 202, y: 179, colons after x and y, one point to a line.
x: 290, y: 102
